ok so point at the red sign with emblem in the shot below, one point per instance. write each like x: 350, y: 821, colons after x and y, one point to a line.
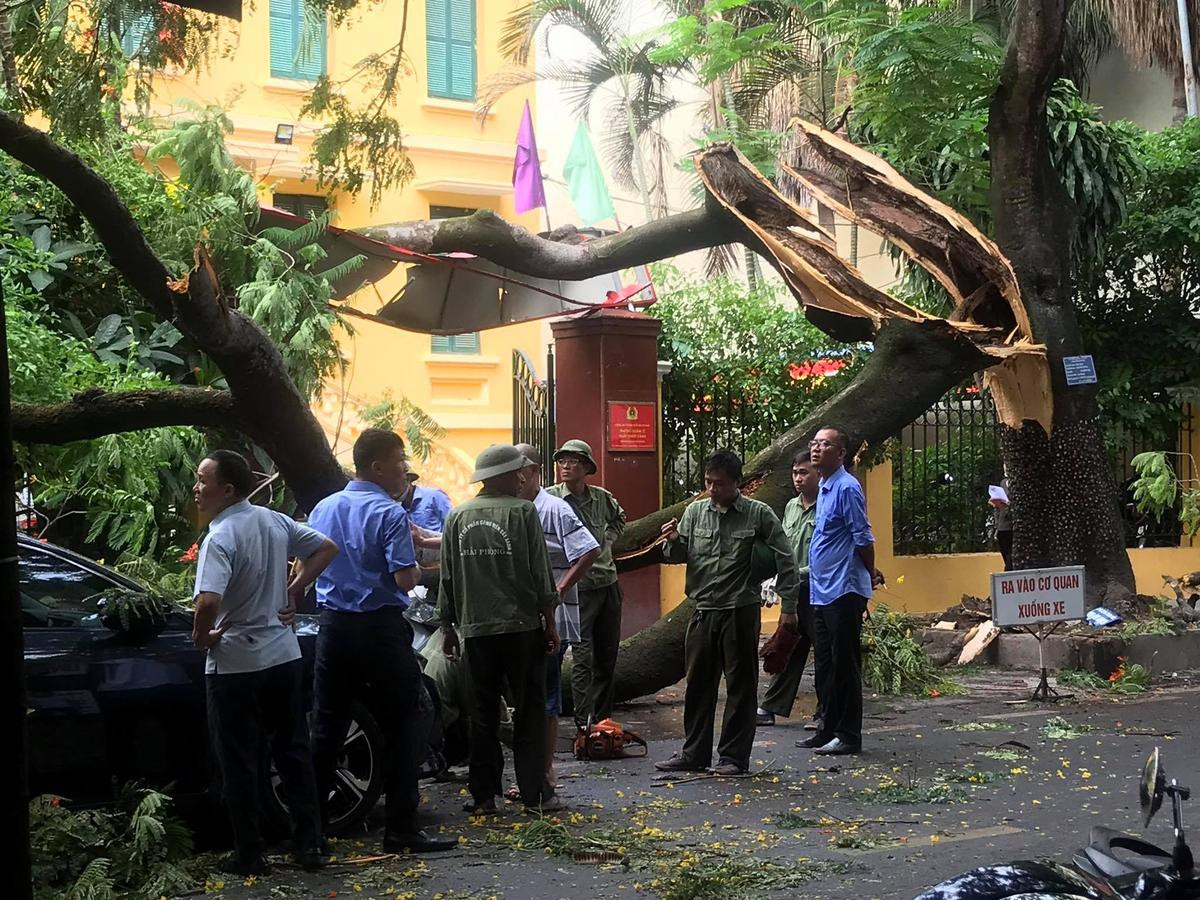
x: 632, y: 427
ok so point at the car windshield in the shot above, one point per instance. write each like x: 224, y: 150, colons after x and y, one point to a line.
x: 59, y: 592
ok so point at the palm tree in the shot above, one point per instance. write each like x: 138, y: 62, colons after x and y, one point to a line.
x: 618, y: 64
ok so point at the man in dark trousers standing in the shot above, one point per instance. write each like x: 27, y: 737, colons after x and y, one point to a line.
x: 716, y: 539
x: 498, y: 589
x: 365, y: 643
x: 594, y: 658
x: 841, y: 559
x: 253, y: 674
x: 799, y: 519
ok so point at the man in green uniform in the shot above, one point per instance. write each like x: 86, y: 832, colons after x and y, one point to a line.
x: 594, y: 658
x: 716, y: 539
x: 799, y: 520
x: 498, y: 589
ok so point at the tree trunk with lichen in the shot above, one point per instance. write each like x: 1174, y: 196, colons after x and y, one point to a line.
x: 1065, y: 502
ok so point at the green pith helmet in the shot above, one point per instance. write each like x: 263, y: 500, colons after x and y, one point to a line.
x: 576, y: 447
x: 498, y: 459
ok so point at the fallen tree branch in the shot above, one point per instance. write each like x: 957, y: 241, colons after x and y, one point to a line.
x: 565, y: 253
x: 94, y: 413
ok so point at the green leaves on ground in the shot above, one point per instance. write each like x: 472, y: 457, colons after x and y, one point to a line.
x: 135, y: 849
x: 1057, y: 728
x: 893, y: 662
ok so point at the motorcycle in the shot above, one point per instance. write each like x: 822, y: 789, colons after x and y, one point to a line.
x: 1113, y: 866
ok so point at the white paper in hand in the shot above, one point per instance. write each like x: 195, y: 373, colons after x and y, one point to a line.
x: 996, y: 492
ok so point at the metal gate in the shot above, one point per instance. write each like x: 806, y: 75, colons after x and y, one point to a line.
x: 533, y: 406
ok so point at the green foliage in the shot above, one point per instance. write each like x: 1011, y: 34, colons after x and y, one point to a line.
x: 894, y: 662
x: 714, y: 44
x: 1056, y: 728
x: 1126, y: 678
x: 420, y: 430
x: 1157, y: 489
x: 740, y: 369
x: 136, y: 849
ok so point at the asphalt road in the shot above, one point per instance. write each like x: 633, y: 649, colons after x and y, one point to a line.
x: 945, y: 784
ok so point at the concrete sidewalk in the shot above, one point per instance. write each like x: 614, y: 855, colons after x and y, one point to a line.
x: 944, y: 785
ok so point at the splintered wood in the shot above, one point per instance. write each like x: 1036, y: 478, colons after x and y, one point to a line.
x: 867, y: 191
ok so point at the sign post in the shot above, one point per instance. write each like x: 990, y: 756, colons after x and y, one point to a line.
x: 1039, y: 597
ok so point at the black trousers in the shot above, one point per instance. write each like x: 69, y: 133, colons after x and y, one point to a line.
x: 518, y: 662
x: 1004, y: 541
x: 781, y: 692
x: 243, y: 708
x: 721, y: 642
x: 594, y: 657
x: 369, y: 656
x: 838, y: 632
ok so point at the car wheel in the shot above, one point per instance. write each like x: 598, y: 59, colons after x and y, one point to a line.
x: 357, y: 776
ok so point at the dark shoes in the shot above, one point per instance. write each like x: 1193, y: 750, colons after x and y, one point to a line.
x: 416, y: 842
x: 244, y: 866
x: 838, y: 747
x: 764, y: 719
x: 728, y: 768
x: 477, y: 808
x: 311, y: 860
x: 812, y: 743
x: 679, y: 763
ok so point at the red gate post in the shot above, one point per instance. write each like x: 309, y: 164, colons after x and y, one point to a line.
x: 607, y: 394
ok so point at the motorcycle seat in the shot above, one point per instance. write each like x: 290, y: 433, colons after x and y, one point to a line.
x: 1115, y: 855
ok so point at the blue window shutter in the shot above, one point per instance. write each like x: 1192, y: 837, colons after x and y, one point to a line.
x: 136, y: 33
x: 437, y: 48
x: 462, y: 49
x: 296, y: 54
x: 283, y: 38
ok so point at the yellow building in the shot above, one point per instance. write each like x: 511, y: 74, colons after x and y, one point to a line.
x: 461, y: 163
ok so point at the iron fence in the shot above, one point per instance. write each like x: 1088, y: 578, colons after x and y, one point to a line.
x: 533, y: 405
x: 940, y: 475
x: 945, y: 461
x: 694, y: 425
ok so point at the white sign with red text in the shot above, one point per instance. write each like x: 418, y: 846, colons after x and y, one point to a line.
x: 1038, y: 595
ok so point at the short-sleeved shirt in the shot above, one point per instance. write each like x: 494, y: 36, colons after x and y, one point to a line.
x: 834, y: 566
x: 567, y: 541
x: 428, y: 508
x: 496, y: 576
x: 604, y: 518
x: 376, y: 540
x: 244, y: 559
x: 718, y: 548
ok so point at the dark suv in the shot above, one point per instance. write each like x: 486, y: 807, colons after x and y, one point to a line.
x: 107, y: 708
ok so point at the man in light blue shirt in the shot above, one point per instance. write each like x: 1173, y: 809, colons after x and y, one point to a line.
x: 364, y: 647
x: 253, y: 675
x: 841, y: 559
x: 427, y: 507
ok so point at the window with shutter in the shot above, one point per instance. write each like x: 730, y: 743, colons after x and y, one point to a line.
x: 298, y: 39
x: 307, y: 206
x: 450, y: 48
x: 133, y: 37
x: 456, y: 343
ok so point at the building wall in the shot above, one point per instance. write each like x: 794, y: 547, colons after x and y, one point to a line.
x: 459, y: 160
x: 1143, y: 96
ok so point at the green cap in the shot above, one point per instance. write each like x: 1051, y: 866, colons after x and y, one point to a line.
x: 576, y: 447
x: 498, y: 459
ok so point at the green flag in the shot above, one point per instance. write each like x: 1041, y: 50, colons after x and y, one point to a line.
x: 585, y: 180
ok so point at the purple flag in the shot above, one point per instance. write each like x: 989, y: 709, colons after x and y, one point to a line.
x: 529, y: 191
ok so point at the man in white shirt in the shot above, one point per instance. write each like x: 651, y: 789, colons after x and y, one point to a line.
x: 244, y: 611
x: 572, y: 550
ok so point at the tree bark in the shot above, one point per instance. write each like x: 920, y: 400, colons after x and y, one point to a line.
x: 1065, y: 502
x: 94, y: 413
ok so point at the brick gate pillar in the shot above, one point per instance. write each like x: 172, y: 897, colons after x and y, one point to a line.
x: 606, y: 386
